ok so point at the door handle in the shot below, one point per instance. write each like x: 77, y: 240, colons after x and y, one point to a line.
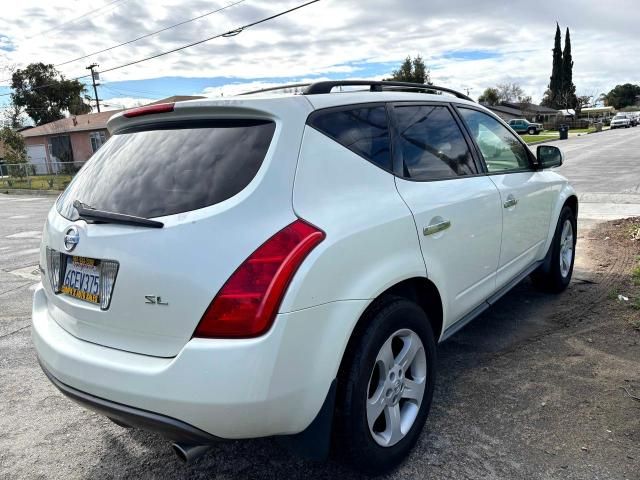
x: 511, y: 202
x: 436, y: 227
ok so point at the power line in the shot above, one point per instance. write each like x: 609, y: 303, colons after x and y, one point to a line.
x: 230, y: 33
x: 151, y: 34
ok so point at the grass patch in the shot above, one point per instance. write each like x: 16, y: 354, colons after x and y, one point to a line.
x: 538, y: 138
x: 635, y: 275
x: 40, y: 182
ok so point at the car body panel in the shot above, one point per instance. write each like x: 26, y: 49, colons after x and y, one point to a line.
x: 525, y: 225
x: 461, y: 260
x: 375, y: 238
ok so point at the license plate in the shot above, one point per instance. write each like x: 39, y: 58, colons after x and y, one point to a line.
x: 82, y: 279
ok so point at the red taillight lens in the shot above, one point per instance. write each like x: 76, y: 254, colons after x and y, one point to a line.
x: 149, y: 110
x: 247, y: 304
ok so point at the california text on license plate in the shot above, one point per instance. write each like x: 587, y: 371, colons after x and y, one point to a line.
x: 82, y: 279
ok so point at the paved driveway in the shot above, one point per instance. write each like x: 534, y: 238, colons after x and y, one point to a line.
x: 487, y: 421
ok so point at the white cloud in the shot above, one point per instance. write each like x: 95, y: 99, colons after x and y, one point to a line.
x: 334, y: 37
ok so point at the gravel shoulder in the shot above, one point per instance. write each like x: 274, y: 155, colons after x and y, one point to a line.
x: 534, y: 388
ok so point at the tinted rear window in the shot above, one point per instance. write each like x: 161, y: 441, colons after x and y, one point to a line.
x: 364, y: 131
x: 162, y: 172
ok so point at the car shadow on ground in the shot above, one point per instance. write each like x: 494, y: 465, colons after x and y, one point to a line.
x: 520, y: 315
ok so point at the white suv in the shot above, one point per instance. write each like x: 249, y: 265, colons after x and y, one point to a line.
x: 285, y: 266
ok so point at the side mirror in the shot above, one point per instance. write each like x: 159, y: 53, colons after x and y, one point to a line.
x: 549, y: 156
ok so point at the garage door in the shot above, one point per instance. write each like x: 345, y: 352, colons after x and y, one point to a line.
x: 38, y: 156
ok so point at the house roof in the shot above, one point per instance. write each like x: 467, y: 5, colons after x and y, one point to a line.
x: 90, y: 121
x: 76, y: 123
x: 530, y: 107
x: 516, y: 112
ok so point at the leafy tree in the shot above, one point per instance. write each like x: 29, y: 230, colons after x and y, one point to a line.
x: 15, y: 152
x: 555, y: 81
x: 581, y: 102
x: 45, y: 94
x: 414, y: 71
x: 623, y: 96
x: 490, y: 96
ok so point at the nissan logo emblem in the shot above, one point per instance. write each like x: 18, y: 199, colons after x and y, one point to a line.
x: 71, y: 238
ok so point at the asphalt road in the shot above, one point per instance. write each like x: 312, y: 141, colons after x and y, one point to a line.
x: 44, y: 435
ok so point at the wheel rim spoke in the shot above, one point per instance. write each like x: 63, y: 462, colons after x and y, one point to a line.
x: 394, y: 423
x: 375, y: 408
x: 408, y: 353
x: 385, y: 357
x: 413, y: 390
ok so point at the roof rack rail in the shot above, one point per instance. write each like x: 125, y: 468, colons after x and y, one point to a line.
x: 378, y: 86
x: 280, y: 87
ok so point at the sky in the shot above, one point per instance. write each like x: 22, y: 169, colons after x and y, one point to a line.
x: 468, y: 45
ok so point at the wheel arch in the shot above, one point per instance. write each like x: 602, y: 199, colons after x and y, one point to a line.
x: 566, y: 197
x: 420, y: 290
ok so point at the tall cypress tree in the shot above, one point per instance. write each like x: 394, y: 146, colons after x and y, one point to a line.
x: 555, y: 81
x: 568, y: 95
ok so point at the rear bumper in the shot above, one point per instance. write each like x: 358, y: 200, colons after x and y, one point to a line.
x: 229, y: 389
x: 134, y: 417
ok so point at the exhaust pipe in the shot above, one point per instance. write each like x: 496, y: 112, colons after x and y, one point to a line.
x: 189, y: 453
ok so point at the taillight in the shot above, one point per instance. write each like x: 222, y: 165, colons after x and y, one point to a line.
x: 248, y: 302
x: 149, y: 110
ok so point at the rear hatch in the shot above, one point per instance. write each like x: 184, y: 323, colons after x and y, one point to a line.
x: 209, y: 175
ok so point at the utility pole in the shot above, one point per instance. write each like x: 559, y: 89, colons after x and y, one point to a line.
x: 93, y: 78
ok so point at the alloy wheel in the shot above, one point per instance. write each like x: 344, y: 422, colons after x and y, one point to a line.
x: 396, y: 387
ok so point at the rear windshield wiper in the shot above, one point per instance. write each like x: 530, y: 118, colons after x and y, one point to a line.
x: 101, y: 216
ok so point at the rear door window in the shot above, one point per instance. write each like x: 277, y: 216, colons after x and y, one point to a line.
x: 431, y: 143
x: 171, y: 169
x: 363, y: 130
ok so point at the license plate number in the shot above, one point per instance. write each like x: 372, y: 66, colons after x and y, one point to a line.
x: 82, y: 279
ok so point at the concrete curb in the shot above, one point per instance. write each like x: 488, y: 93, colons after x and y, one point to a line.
x: 24, y: 191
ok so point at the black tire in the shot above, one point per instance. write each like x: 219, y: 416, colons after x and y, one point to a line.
x: 354, y: 442
x: 532, y: 131
x: 549, y: 276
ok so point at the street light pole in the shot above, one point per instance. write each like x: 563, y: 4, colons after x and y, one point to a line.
x: 93, y: 78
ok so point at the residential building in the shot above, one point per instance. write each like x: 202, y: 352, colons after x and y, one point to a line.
x: 534, y: 113
x: 64, y: 145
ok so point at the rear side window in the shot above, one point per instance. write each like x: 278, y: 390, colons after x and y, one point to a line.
x: 364, y: 131
x: 431, y: 144
x: 170, y: 170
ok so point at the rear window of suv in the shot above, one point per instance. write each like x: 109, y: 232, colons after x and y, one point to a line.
x: 171, y: 169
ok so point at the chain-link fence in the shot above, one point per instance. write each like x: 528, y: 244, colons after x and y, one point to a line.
x: 37, y: 176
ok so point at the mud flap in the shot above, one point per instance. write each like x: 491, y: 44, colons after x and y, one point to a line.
x: 314, y: 442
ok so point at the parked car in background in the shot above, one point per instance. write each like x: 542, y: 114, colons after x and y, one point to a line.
x: 621, y: 120
x: 298, y: 280
x: 635, y: 118
x: 521, y: 125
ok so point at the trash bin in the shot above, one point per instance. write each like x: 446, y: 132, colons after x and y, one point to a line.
x: 599, y: 127
x: 564, y: 132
